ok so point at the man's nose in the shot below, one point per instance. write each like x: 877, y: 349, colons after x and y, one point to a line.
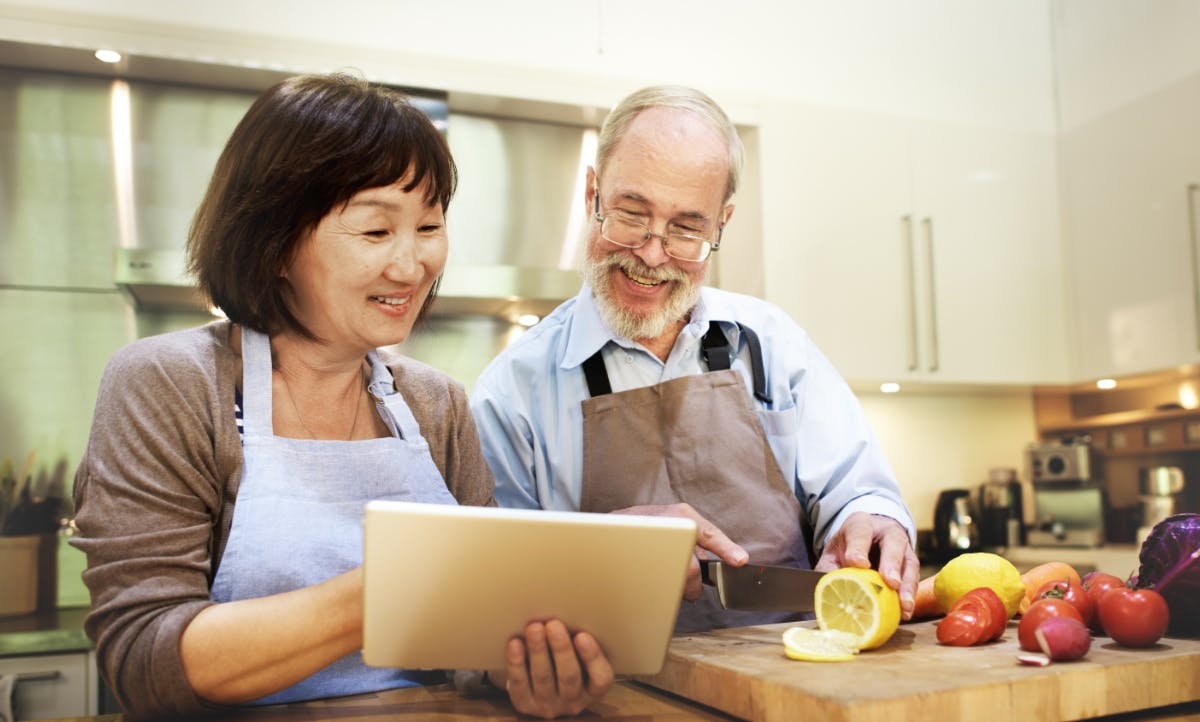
x: 654, y: 251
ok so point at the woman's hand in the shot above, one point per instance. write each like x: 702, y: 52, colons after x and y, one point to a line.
x: 551, y: 674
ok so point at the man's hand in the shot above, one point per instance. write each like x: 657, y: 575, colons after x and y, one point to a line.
x: 898, y: 565
x: 708, y: 538
x: 544, y: 676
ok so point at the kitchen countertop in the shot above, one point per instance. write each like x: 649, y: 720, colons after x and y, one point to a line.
x: 743, y: 674
x: 1118, y: 559
x: 54, y: 632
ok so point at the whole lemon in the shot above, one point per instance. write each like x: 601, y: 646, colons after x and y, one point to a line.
x: 979, y: 569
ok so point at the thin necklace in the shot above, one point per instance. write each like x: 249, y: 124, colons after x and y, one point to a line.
x: 296, y: 409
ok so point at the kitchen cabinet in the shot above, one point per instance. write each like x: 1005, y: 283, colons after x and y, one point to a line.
x: 922, y: 250
x: 48, y: 686
x: 1132, y: 200
x: 1129, y: 103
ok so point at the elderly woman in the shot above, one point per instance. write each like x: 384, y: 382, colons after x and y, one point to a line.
x: 220, y: 497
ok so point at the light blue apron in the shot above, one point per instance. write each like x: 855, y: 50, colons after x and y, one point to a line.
x: 298, y: 516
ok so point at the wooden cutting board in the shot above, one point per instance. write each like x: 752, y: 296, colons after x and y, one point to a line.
x: 743, y: 672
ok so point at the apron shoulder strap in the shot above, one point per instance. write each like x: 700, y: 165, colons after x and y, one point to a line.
x: 596, y: 375
x: 718, y: 354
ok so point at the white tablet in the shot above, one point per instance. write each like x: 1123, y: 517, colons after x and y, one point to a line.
x: 445, y: 587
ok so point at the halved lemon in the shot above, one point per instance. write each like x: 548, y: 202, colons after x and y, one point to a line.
x: 860, y: 603
x: 816, y: 645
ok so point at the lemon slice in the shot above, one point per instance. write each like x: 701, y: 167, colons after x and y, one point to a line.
x: 858, y: 602
x: 815, y: 645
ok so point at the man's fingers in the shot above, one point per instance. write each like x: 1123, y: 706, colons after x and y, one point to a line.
x: 693, y: 586
x: 858, y: 533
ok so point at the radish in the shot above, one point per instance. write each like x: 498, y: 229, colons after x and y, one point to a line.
x: 1063, y: 638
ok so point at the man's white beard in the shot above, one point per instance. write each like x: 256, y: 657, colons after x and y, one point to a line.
x: 624, y: 321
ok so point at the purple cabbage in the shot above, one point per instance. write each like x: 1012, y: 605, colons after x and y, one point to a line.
x: 1170, y: 565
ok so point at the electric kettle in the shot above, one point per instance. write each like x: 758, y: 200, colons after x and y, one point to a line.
x: 955, y: 530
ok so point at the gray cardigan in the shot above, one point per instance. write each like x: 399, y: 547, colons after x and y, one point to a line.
x: 155, y: 492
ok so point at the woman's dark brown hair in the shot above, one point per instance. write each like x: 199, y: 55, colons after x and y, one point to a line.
x: 306, y: 146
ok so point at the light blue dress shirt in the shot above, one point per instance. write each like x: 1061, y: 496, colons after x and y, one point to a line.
x: 526, y: 404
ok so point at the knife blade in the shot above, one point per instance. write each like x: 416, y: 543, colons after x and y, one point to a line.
x: 762, y: 587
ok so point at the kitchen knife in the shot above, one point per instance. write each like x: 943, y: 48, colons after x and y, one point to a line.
x: 762, y: 587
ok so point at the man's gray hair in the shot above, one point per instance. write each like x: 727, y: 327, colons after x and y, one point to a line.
x: 671, y: 96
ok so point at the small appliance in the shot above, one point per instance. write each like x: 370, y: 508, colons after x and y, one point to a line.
x: 1068, y: 498
x: 1001, y: 510
x: 1060, y: 462
x: 1158, y: 486
x: 955, y: 530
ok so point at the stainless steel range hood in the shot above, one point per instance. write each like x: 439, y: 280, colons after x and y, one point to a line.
x: 137, y: 151
x: 157, y: 280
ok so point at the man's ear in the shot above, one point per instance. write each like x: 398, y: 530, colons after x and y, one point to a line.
x: 727, y: 214
x: 589, y: 189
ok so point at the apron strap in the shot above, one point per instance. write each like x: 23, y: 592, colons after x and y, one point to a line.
x: 718, y: 356
x: 756, y: 362
x: 597, y: 375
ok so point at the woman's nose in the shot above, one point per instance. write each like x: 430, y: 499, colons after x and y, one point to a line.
x: 404, y: 264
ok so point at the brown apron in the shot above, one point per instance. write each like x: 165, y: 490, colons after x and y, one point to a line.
x: 695, y: 439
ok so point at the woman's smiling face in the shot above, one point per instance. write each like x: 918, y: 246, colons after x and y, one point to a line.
x: 361, y: 276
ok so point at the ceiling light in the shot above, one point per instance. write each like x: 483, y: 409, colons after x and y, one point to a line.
x: 108, y: 56
x: 890, y: 387
x: 528, y: 319
x: 1106, y: 384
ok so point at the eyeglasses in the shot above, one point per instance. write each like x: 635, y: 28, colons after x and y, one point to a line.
x: 625, y: 231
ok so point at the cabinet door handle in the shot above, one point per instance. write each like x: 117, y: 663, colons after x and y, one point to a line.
x: 1192, y: 190
x: 927, y: 223
x: 910, y: 277
x: 47, y: 676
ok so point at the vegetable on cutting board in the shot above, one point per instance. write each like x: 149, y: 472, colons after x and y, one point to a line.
x: 1170, y: 565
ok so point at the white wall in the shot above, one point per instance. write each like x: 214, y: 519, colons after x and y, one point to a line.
x: 938, y: 440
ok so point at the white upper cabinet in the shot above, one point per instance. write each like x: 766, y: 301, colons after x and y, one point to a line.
x: 1129, y: 79
x: 920, y: 240
x: 921, y: 250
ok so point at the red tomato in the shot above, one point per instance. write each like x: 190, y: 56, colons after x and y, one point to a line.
x: 1134, y: 617
x: 1097, y: 584
x: 977, y: 617
x: 990, y: 609
x: 960, y: 628
x: 1038, y: 612
x: 1071, y: 592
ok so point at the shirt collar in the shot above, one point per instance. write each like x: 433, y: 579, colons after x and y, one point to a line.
x: 588, y: 333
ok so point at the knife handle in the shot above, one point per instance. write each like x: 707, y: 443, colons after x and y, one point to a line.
x: 706, y: 575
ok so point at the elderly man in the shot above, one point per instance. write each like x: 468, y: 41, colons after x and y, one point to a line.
x: 652, y: 393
